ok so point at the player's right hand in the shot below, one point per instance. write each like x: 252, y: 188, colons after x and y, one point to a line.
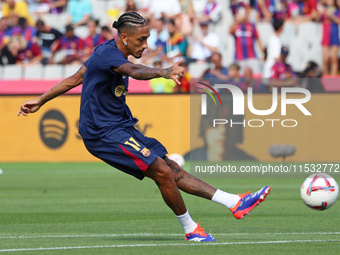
x: 29, y: 106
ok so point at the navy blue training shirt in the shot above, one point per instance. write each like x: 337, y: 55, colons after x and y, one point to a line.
x: 103, y: 105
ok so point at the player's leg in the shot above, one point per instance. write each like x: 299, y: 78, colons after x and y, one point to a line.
x: 195, y: 186
x: 334, y: 59
x: 162, y: 175
x: 190, y: 183
x: 131, y: 156
x: 160, y: 172
x: 325, y: 57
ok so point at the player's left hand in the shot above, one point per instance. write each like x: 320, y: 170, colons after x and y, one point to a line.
x: 175, y: 72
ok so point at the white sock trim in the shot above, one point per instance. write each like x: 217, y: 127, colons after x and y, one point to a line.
x: 187, y: 223
x: 226, y: 199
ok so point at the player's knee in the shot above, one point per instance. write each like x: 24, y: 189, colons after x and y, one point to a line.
x: 159, y: 171
x: 163, y: 173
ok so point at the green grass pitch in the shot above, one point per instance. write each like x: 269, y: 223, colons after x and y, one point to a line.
x: 90, y: 208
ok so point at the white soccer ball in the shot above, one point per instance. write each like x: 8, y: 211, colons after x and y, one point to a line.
x: 177, y: 158
x: 319, y: 191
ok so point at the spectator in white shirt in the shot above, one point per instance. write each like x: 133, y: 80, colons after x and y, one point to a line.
x: 273, y: 48
x: 203, y: 46
x: 164, y: 9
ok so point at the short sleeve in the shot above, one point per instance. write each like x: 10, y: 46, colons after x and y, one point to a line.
x: 110, y: 58
x: 56, y: 33
x: 86, y: 63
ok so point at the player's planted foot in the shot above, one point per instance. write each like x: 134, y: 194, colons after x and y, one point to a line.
x: 199, y: 235
x: 248, y: 201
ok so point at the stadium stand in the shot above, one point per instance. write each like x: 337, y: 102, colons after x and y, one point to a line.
x: 53, y: 72
x: 12, y: 72
x: 32, y: 72
x: 303, y: 39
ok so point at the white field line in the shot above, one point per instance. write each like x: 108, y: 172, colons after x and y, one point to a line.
x: 170, y: 244
x: 164, y: 234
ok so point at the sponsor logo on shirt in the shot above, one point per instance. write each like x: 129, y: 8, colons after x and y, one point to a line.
x: 120, y: 90
x: 240, y: 33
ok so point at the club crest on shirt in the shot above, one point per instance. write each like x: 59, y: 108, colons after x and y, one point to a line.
x: 146, y: 152
x: 120, y: 90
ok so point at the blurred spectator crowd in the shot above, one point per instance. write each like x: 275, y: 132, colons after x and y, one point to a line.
x: 218, y: 40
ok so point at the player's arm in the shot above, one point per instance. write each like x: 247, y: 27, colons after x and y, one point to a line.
x: 141, y: 72
x: 34, y: 105
x: 334, y: 18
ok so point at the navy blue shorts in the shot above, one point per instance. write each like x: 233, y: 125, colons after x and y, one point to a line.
x: 126, y: 149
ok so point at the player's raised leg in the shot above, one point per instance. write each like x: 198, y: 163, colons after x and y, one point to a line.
x: 160, y: 172
x: 239, y: 205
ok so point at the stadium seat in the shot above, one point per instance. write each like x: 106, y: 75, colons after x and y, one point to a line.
x: 99, y: 8
x: 57, y: 21
x: 199, y: 6
x: 309, y: 31
x: 315, y: 53
x: 33, y: 72
x: 59, y: 56
x: 196, y: 69
x: 12, y: 72
x: 297, y: 57
x: 53, y: 72
x: 81, y: 32
x: 289, y: 32
x: 63, y: 21
x: 70, y: 70
x: 265, y: 30
x: 227, y: 48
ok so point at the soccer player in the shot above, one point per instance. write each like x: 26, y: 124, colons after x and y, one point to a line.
x: 106, y: 124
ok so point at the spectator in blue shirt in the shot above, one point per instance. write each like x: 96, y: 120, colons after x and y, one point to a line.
x: 80, y: 11
x: 219, y: 74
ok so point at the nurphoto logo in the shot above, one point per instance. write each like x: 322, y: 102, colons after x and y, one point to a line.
x: 239, y: 104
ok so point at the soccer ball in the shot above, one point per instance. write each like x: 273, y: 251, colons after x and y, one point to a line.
x: 177, y: 158
x: 319, y: 191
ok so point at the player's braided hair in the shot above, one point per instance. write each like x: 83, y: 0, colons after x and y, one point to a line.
x: 129, y: 20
